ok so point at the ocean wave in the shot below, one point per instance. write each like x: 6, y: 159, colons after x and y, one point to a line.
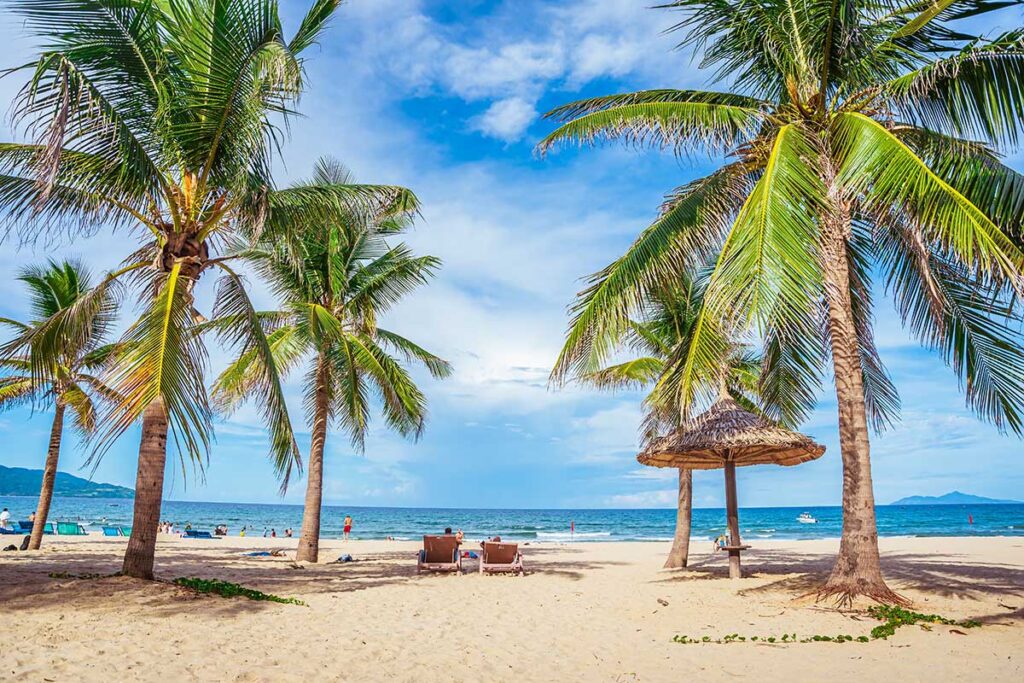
x: 562, y: 536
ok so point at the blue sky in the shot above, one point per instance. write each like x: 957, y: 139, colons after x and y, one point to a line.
x: 445, y: 97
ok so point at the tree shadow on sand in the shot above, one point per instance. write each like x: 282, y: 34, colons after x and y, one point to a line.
x: 27, y: 585
x: 801, y: 573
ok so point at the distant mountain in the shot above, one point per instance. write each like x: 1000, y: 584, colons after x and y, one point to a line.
x: 954, y: 498
x: 18, y: 481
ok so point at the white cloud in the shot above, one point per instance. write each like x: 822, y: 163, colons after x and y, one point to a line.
x: 506, y: 119
x: 644, y: 499
x: 606, y: 436
x: 514, y: 67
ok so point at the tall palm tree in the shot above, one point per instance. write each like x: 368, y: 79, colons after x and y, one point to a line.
x: 70, y: 380
x: 859, y: 140
x: 163, y: 118
x: 662, y: 336
x: 333, y: 285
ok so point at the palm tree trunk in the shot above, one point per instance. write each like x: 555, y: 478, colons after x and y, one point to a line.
x: 49, y: 474
x: 857, y: 570
x: 309, y: 540
x: 680, y: 553
x: 149, y: 491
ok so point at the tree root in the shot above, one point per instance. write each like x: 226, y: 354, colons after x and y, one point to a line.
x: 843, y: 592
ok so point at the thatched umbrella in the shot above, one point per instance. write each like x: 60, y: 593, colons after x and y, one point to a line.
x: 727, y: 436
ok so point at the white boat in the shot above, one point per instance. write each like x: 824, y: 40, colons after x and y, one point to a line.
x: 806, y: 518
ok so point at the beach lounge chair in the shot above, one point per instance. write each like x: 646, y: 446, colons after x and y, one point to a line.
x: 439, y: 554
x: 192, y: 533
x: 71, y: 529
x: 112, y: 531
x: 501, y: 557
x: 126, y: 531
x: 25, y: 527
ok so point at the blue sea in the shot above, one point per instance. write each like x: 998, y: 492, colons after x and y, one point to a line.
x: 542, y: 525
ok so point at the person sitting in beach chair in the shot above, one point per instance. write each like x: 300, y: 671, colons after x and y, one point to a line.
x: 498, y: 557
x: 439, y: 554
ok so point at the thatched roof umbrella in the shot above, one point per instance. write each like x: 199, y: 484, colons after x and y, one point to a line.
x: 727, y: 436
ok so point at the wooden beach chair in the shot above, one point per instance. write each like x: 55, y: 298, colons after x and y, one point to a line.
x: 70, y: 529
x: 501, y: 558
x: 439, y: 554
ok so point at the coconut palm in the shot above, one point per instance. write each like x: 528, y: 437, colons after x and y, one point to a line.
x: 662, y: 336
x: 163, y: 118
x: 333, y: 285
x: 71, y: 380
x: 859, y: 141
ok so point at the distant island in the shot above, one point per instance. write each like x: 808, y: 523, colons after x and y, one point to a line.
x: 954, y: 498
x: 19, y: 481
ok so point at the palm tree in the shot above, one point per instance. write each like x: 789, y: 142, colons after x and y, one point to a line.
x: 662, y: 337
x: 69, y: 379
x: 334, y: 284
x: 859, y: 141
x: 160, y: 118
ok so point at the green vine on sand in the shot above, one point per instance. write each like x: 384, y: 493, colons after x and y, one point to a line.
x: 893, y: 616
x: 230, y: 590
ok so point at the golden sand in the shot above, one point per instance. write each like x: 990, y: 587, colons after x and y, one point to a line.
x: 584, y: 612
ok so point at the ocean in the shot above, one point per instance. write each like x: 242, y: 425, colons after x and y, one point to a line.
x: 541, y: 525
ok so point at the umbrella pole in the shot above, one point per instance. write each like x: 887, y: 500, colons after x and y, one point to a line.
x: 733, y: 517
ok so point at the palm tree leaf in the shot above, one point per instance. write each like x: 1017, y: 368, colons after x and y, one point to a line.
x: 437, y: 366
x: 383, y: 282
x: 975, y: 171
x: 969, y: 321
x: 313, y: 24
x: 886, y: 173
x: 768, y: 265
x: 978, y: 93
x: 793, y: 363
x: 163, y: 358
x: 404, y: 405
x: 683, y: 120
x: 632, y: 374
x: 83, y: 409
x: 349, y: 398
x: 682, y: 238
x: 16, y: 391
x: 69, y: 331
x: 246, y: 335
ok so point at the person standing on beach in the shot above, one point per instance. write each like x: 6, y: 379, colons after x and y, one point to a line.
x: 348, y: 526
x: 4, y: 516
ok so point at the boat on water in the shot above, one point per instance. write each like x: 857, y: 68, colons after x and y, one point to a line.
x: 806, y: 518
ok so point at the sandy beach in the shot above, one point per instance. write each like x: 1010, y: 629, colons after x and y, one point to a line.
x: 588, y: 611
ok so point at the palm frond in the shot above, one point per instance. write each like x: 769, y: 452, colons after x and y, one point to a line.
x: 437, y: 366
x: 682, y: 238
x: 683, y: 120
x: 886, y: 173
x: 246, y: 336
x: 163, y: 358
x: 978, y: 93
